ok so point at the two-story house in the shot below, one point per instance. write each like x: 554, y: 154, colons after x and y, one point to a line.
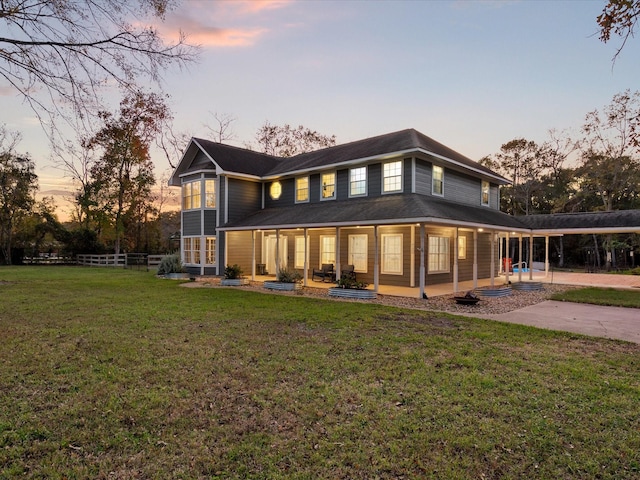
x: 403, y: 209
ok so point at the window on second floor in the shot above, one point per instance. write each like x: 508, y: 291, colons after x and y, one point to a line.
x: 210, y: 193
x: 485, y: 192
x: 437, y: 181
x: 392, y: 177
x: 358, y: 181
x: 302, y: 189
x: 328, y: 186
x: 191, y: 197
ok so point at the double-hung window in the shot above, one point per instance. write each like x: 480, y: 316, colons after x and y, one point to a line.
x: 327, y: 249
x: 462, y: 247
x: 392, y: 177
x: 210, y: 194
x: 300, y: 252
x: 485, y: 192
x: 391, y: 254
x: 211, y: 250
x: 438, y: 254
x: 191, y: 249
x: 302, y: 189
x: 358, y: 252
x: 358, y: 181
x: 437, y: 180
x: 328, y: 186
x: 191, y: 195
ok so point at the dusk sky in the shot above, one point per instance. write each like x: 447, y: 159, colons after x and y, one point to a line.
x: 470, y: 74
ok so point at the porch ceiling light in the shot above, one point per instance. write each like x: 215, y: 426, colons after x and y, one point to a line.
x: 276, y: 190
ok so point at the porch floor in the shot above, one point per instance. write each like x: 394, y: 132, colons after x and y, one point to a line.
x: 563, y: 278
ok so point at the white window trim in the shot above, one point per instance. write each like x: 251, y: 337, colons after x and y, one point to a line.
x: 296, y: 189
x: 448, y: 267
x: 433, y: 168
x: 182, y: 200
x: 305, y: 252
x: 366, y: 181
x: 184, y: 249
x: 321, y: 252
x: 399, y: 190
x: 482, y: 184
x: 382, y: 263
x: 335, y: 186
x: 366, y: 252
x: 213, y: 252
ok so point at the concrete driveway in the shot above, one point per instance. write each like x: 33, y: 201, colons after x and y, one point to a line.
x: 608, y: 322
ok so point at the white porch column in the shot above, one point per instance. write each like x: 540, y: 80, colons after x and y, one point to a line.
x: 520, y: 257
x: 500, y: 255
x: 506, y: 266
x: 376, y: 255
x: 253, y: 255
x: 422, y: 272
x: 493, y: 258
x: 475, y: 259
x: 455, y: 261
x: 412, y: 256
x: 531, y: 256
x: 338, y: 269
x: 306, y: 258
x: 277, y: 250
x: 546, y: 256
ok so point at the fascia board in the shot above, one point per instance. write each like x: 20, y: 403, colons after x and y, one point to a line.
x: 588, y: 230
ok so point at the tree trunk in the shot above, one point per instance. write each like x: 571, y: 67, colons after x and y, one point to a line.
x: 597, y: 250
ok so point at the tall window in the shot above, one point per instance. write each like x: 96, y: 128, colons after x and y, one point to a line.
x: 328, y: 185
x: 300, y: 252
x: 191, y: 249
x: 210, y: 193
x: 211, y: 250
x: 357, y: 181
x: 462, y: 247
x: 327, y: 249
x: 437, y: 182
x: 392, y: 177
x: 358, y: 252
x: 191, y: 195
x: 438, y: 254
x: 391, y: 254
x: 302, y: 189
x: 485, y: 192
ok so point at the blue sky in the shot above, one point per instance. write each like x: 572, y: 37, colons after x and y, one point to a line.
x: 470, y: 74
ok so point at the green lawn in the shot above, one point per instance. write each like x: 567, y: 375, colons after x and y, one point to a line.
x: 115, y: 374
x: 602, y: 296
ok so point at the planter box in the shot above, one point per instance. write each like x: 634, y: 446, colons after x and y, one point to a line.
x: 352, y: 293
x: 503, y: 291
x: 527, y: 286
x: 234, y: 282
x: 273, y: 285
x: 179, y: 276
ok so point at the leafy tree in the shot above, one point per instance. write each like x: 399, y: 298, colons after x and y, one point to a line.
x: 62, y: 54
x: 122, y: 178
x: 619, y: 17
x: 286, y: 141
x: 613, y: 182
x: 18, y: 185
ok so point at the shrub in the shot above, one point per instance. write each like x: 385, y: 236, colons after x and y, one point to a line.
x: 170, y: 264
x: 635, y: 271
x: 232, y: 272
x: 286, y: 275
x: 348, y: 282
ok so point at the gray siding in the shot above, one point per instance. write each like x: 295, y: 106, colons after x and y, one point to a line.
x: 286, y: 198
x: 201, y: 162
x: 191, y: 223
x: 241, y: 252
x: 342, y: 177
x: 374, y: 180
x: 244, y: 198
x: 314, y: 188
x: 423, y: 177
x: 462, y: 188
x: 210, y: 222
x: 407, y: 170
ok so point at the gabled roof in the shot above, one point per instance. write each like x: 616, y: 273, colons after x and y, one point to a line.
x: 229, y: 159
x: 391, y: 209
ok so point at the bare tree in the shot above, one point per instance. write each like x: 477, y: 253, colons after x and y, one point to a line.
x: 222, y: 129
x: 286, y: 141
x: 619, y: 17
x: 60, y: 55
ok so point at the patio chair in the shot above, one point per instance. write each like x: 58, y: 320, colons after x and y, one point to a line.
x: 324, y: 273
x: 349, y: 272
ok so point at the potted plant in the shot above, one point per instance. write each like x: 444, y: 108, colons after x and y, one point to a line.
x: 171, y: 267
x: 233, y: 276
x: 286, y: 279
x: 349, y: 287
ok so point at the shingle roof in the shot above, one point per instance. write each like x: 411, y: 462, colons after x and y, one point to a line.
x: 385, y: 209
x: 240, y: 160
x: 623, y: 219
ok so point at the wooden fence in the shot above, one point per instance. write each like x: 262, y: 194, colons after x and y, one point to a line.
x: 123, y: 260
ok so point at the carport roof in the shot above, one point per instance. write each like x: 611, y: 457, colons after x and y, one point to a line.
x: 584, y: 222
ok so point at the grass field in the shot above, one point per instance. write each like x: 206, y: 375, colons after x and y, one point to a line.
x: 602, y: 296
x: 115, y: 374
